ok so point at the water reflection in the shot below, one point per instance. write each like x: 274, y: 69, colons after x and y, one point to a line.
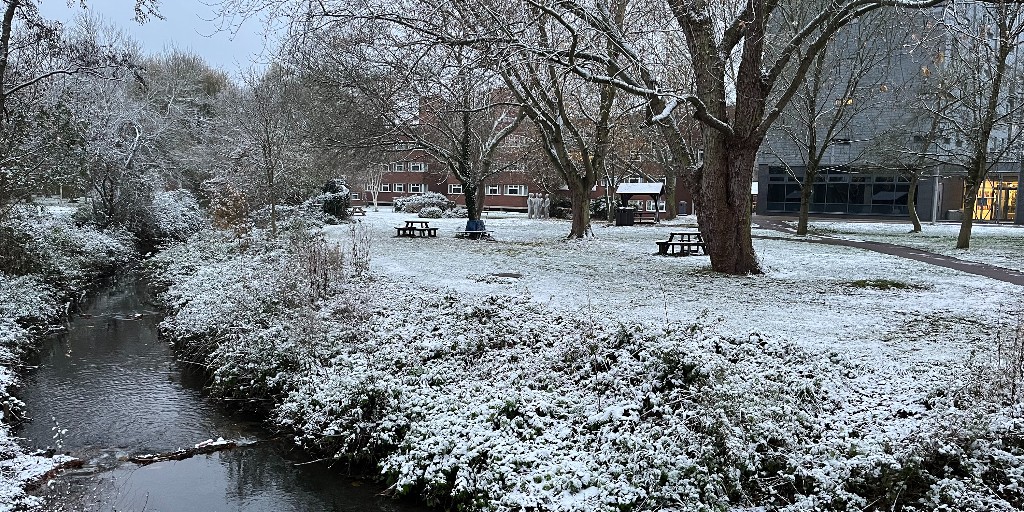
x: 116, y: 390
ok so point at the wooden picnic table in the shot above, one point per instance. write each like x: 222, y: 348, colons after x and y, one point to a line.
x: 416, y: 228
x: 358, y: 210
x: 683, y: 243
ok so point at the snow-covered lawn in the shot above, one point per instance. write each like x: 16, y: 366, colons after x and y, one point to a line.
x: 593, y: 375
x: 1001, y: 245
x: 805, y: 296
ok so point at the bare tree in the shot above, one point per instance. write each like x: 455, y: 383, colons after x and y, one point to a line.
x: 846, y: 83
x: 444, y: 100
x: 269, y: 126
x: 37, y: 132
x: 984, y: 53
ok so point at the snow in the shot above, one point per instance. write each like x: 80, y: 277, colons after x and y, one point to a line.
x: 608, y: 378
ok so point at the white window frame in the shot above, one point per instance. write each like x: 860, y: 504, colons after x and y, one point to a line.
x: 416, y: 188
x: 355, y: 196
x: 417, y: 167
x: 398, y: 167
x: 454, y: 188
x: 399, y: 187
x: 493, y: 190
x: 522, y: 190
x: 385, y: 187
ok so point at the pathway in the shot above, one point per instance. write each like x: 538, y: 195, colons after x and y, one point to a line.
x: 981, y: 269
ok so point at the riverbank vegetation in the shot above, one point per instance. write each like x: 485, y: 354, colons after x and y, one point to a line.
x: 47, y: 265
x: 497, y: 402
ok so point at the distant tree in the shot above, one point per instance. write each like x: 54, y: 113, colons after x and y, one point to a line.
x: 439, y: 99
x: 37, y: 129
x: 845, y: 83
x: 984, y: 55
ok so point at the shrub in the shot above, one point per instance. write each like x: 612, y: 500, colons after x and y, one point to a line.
x: 459, y: 212
x: 431, y: 212
x: 335, y: 198
x: 176, y: 215
x: 413, y: 204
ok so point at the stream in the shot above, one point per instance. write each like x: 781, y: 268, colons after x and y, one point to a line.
x: 108, y: 388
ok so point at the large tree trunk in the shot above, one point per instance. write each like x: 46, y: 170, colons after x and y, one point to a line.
x: 474, y: 199
x: 915, y: 219
x: 724, y: 206
x: 580, y: 199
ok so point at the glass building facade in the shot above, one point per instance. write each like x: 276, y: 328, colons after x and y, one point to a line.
x: 837, y: 190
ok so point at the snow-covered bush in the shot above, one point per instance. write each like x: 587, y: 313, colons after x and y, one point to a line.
x: 335, y: 199
x: 256, y: 309
x: 66, y: 256
x: 499, y: 403
x: 413, y: 204
x: 459, y: 212
x: 430, y: 212
x: 176, y: 215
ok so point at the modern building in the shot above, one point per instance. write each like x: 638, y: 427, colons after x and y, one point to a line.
x: 869, y: 159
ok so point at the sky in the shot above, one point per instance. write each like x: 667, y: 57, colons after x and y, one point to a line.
x: 188, y: 25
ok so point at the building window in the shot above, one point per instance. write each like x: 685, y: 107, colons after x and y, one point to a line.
x: 355, y: 196
x: 415, y: 188
x: 399, y: 187
x: 398, y: 166
x: 385, y: 187
x: 515, y: 190
x: 635, y: 179
x: 454, y: 188
x: 839, y: 141
x: 493, y: 190
x: 417, y: 167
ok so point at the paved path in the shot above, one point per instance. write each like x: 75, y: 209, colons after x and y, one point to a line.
x: 981, y: 269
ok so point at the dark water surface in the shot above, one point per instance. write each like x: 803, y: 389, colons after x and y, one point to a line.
x: 109, y: 388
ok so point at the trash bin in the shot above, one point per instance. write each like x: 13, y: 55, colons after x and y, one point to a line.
x: 954, y: 214
x: 475, y: 225
x: 625, y: 216
x: 682, y: 208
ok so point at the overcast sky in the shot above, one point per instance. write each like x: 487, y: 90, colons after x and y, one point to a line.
x: 188, y: 25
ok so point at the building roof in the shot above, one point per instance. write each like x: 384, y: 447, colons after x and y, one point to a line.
x: 640, y: 188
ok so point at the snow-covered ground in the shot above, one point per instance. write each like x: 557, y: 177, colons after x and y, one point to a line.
x: 805, y: 295
x: 1001, y: 245
x: 594, y: 375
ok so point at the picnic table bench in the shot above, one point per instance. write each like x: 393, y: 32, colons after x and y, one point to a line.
x: 682, y: 243
x: 416, y: 228
x: 357, y: 210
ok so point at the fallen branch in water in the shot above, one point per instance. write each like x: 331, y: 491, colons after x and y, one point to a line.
x: 208, y: 446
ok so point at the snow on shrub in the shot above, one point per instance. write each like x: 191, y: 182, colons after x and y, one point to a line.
x: 498, y: 403
x: 413, y: 204
x: 459, y: 212
x: 176, y: 215
x: 66, y: 256
x: 249, y: 308
x: 430, y: 212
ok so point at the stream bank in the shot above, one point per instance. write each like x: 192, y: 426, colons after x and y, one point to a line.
x: 109, y: 388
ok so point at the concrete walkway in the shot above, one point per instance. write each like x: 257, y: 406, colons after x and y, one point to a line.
x: 970, y: 267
